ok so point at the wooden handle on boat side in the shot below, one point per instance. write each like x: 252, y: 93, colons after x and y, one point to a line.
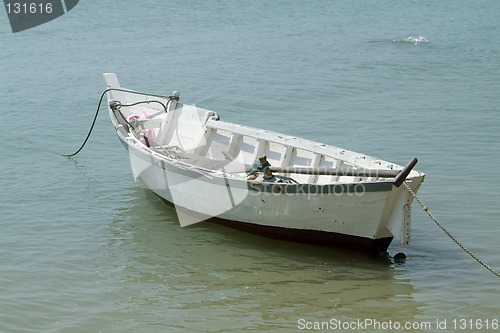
x: 401, y: 177
x: 337, y: 172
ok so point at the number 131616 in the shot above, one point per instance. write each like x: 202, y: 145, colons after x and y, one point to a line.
x: 475, y: 324
x: 28, y: 8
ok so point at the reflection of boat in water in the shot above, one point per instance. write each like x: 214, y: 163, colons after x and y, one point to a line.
x: 207, y: 277
x: 316, y: 193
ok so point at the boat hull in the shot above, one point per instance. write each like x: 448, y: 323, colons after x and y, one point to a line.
x: 312, y: 237
x: 349, y: 216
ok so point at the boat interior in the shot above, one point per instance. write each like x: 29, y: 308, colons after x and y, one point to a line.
x: 197, y: 136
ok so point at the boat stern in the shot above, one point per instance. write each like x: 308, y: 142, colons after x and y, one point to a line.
x: 396, y: 218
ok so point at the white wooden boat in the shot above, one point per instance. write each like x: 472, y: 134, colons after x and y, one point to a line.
x: 320, y: 194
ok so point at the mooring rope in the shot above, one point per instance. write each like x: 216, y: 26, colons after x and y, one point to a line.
x: 125, y: 105
x: 453, y: 238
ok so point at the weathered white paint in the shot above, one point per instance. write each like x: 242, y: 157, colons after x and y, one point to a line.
x: 190, y: 137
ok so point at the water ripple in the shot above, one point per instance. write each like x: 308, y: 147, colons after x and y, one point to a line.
x: 415, y: 40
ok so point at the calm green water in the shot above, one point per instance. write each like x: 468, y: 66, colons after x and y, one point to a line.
x: 82, y: 249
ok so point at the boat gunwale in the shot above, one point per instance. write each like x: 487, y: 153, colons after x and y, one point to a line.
x: 285, y: 140
x: 195, y: 172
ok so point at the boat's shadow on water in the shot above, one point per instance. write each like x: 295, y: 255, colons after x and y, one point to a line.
x: 144, y: 209
x: 276, y: 279
x: 147, y: 207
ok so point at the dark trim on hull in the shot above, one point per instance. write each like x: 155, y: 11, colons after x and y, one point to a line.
x: 314, y: 237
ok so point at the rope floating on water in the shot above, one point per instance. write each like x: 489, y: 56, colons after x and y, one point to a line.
x: 453, y: 238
